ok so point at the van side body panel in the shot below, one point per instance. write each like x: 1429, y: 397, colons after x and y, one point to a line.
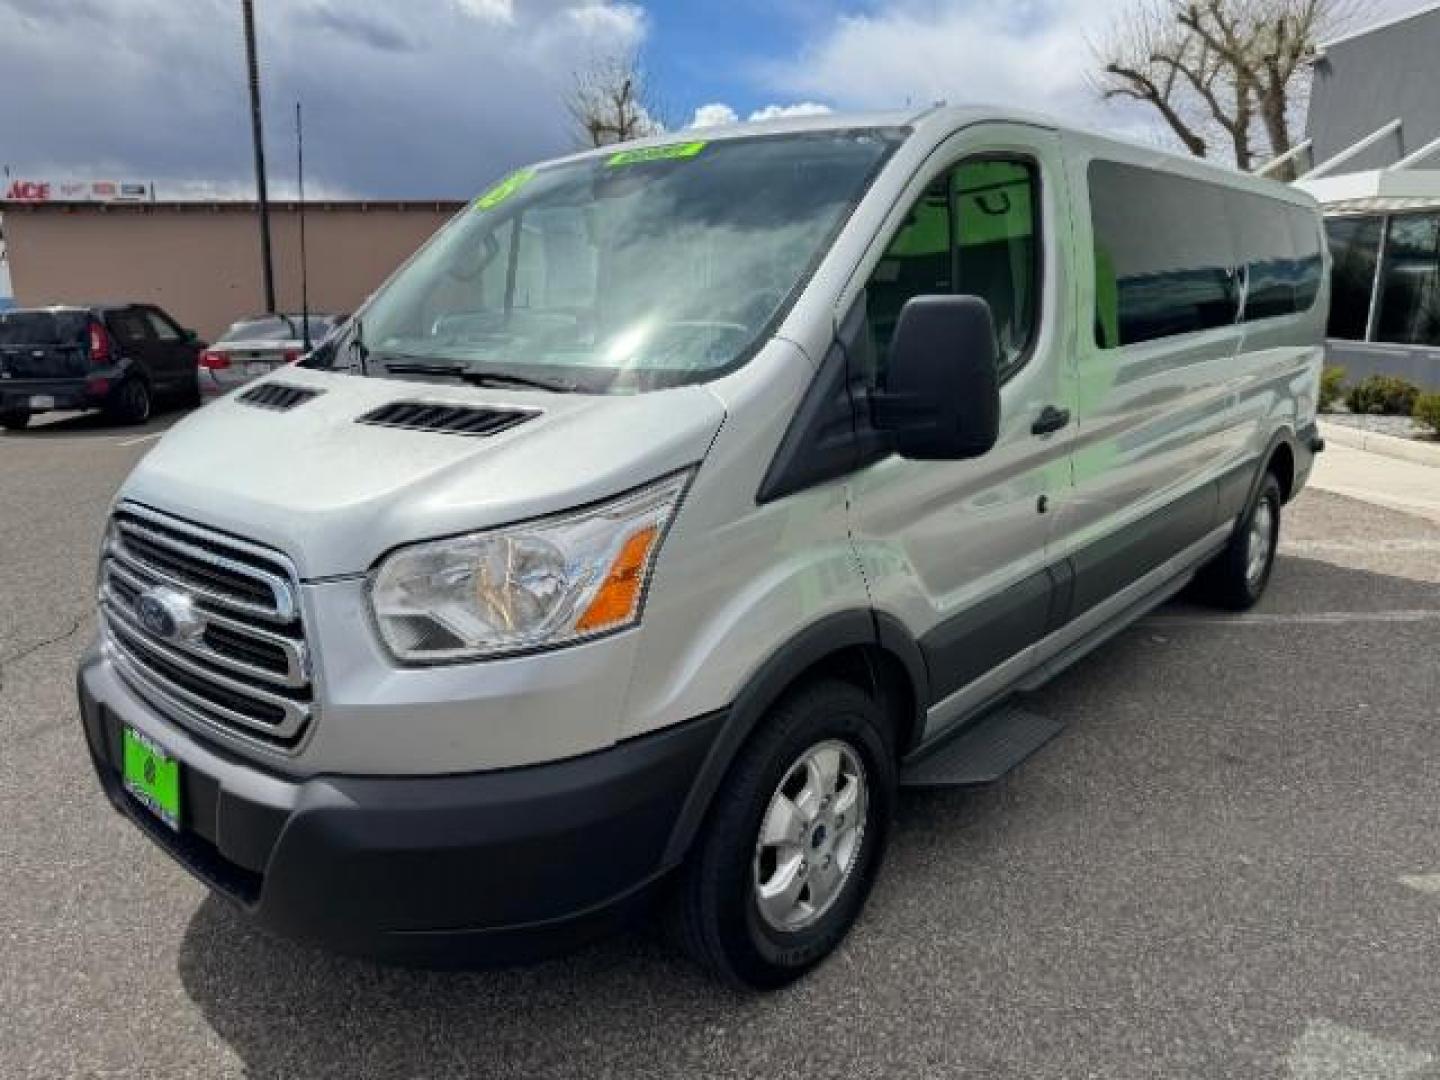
x: 737, y: 579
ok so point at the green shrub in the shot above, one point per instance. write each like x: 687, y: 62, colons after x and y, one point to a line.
x: 1332, y: 387
x: 1384, y: 395
x: 1427, y: 411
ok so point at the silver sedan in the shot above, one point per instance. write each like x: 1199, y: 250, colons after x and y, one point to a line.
x: 257, y: 346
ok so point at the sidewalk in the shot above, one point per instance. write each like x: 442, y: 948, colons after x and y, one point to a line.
x: 1385, y: 481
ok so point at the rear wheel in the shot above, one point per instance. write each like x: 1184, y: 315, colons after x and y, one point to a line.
x: 131, y: 403
x: 794, y: 841
x: 14, y: 421
x: 1236, y: 579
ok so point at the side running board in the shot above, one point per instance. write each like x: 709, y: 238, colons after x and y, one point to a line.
x: 982, y: 752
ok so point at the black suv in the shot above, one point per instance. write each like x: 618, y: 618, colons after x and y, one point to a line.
x: 120, y: 358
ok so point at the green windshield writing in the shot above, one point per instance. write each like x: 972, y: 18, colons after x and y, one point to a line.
x: 656, y: 153
x: 504, y: 189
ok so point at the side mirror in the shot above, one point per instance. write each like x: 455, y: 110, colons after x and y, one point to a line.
x: 941, y: 400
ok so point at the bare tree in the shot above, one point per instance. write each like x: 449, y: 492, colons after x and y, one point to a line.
x: 611, y: 101
x: 1214, y: 68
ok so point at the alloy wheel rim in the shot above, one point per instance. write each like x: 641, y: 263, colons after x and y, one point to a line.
x: 811, y: 836
x: 1259, y: 542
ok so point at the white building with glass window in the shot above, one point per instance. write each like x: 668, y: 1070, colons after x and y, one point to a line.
x: 1371, y: 155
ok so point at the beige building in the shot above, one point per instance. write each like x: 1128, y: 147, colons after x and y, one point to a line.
x: 201, y: 260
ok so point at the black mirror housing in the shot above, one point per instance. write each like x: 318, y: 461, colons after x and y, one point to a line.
x: 941, y: 400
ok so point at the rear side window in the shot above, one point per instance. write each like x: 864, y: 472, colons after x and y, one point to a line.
x: 129, y: 327
x: 163, y: 328
x: 1280, y: 248
x: 1169, y: 252
x: 1307, y: 232
x: 1163, y: 255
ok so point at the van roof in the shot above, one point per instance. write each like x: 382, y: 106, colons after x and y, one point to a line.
x: 949, y: 118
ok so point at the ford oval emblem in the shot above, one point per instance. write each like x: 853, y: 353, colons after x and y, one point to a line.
x: 168, y: 614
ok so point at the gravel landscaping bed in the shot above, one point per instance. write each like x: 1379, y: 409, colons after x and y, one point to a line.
x: 1402, y: 427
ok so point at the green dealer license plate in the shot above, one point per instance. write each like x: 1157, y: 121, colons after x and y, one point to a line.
x: 153, y: 777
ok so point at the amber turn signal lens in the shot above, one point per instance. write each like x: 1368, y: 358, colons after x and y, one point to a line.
x: 618, y: 598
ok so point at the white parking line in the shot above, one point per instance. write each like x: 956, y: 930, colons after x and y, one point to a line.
x: 1358, y: 547
x: 1328, y: 1051
x: 1299, y: 618
x: 142, y: 438
x: 1426, y: 883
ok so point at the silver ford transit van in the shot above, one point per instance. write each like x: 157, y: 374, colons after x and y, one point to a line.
x: 675, y: 506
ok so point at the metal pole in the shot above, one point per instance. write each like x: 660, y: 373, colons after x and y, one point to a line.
x: 304, y: 282
x: 1289, y: 155
x: 247, y: 8
x: 1377, y: 284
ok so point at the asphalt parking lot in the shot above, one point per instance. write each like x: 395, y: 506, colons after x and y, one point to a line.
x: 1227, y: 866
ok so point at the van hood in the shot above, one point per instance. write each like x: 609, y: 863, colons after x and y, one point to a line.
x: 335, y: 494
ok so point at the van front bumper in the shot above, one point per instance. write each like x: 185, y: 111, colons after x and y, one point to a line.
x: 459, y: 869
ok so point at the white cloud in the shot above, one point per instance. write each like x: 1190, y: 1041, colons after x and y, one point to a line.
x: 781, y: 112
x: 500, y: 11
x: 1029, y: 54
x: 714, y: 115
x: 623, y: 23
x: 718, y: 113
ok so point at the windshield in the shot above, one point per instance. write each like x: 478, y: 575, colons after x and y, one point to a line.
x: 43, y: 327
x: 645, y: 268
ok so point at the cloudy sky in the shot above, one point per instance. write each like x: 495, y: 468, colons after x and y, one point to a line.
x: 434, y: 98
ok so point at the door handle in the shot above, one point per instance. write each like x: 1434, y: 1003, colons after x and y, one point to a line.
x: 1051, y: 421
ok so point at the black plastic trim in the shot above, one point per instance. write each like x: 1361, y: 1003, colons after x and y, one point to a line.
x: 1115, y: 561
x: 965, y: 647
x: 830, y: 435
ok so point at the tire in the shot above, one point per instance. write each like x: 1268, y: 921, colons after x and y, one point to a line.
x: 1237, y: 577
x: 15, y: 421
x: 132, y: 403
x: 717, y: 913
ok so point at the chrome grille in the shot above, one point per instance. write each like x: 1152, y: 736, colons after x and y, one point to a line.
x: 239, y: 664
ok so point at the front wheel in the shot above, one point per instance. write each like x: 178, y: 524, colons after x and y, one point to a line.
x: 794, y: 840
x: 1236, y: 579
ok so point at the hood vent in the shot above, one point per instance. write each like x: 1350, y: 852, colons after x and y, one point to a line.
x: 277, y: 396
x: 446, y: 419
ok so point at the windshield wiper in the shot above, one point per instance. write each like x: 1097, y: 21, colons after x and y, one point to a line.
x: 358, y: 348
x: 481, y: 378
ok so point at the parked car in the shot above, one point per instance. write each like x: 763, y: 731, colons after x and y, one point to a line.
x: 257, y: 346
x: 120, y: 358
x: 681, y: 502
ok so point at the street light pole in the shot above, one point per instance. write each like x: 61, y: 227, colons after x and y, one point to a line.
x: 304, y: 275
x: 248, y: 10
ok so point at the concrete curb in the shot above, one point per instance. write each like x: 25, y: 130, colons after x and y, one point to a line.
x: 1387, y: 445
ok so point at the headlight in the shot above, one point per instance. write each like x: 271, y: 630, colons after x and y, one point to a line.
x: 540, y: 584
